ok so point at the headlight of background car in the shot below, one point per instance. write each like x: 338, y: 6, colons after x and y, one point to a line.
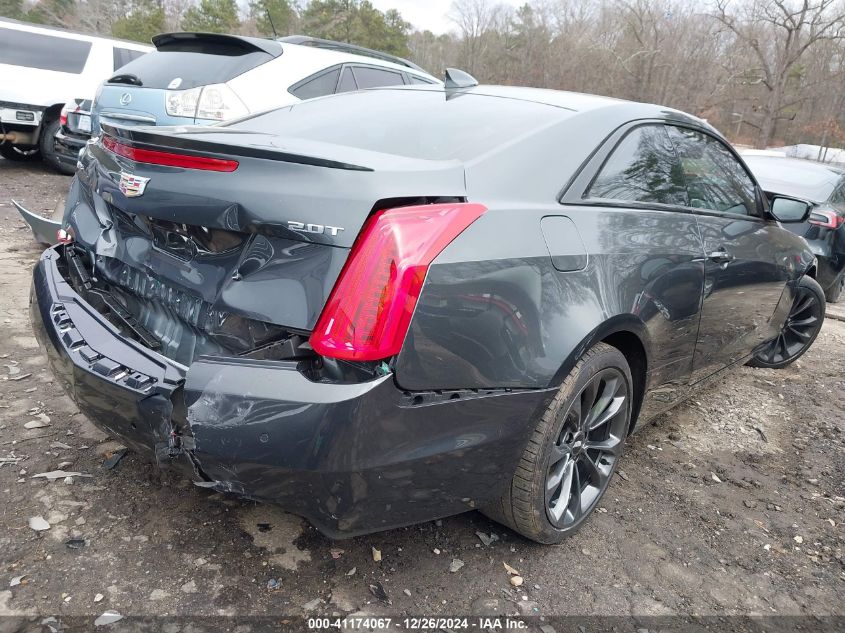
x: 216, y: 102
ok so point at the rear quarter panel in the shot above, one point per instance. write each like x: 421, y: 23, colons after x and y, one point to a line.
x: 266, y: 86
x: 496, y: 313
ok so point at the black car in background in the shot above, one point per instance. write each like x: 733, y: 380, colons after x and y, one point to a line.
x: 73, y: 133
x: 393, y: 305
x: 823, y: 186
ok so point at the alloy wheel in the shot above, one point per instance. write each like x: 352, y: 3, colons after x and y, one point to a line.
x: 587, y: 448
x: 798, y: 331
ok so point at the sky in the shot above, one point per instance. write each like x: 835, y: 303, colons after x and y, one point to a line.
x: 427, y: 14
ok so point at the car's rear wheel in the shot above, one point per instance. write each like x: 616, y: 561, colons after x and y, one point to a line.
x: 833, y: 294
x: 47, y: 143
x: 19, y: 153
x: 573, y: 451
x: 800, y: 329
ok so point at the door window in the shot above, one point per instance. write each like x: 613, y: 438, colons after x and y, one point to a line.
x: 642, y: 168
x: 368, y: 77
x: 715, y: 178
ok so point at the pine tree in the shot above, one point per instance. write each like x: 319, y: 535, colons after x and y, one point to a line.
x: 212, y: 16
x: 357, y: 22
x: 12, y: 9
x: 144, y: 19
x: 273, y: 17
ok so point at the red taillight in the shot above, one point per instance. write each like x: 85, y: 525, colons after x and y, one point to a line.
x: 826, y: 219
x: 370, y: 308
x: 63, y: 117
x: 155, y: 157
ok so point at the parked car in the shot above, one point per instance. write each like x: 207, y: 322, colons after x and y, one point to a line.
x: 74, y: 131
x: 824, y: 187
x: 393, y: 305
x: 204, y: 78
x: 41, y: 69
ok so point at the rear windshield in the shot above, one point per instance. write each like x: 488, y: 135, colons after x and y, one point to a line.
x: 45, y: 52
x: 415, y: 123
x: 161, y: 68
x: 794, y: 177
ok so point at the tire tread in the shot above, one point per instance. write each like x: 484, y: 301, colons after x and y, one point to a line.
x: 516, y: 507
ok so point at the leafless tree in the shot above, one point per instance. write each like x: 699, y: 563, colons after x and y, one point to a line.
x: 475, y: 19
x: 779, y: 33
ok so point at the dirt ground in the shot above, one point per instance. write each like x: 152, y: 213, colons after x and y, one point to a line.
x: 730, y: 504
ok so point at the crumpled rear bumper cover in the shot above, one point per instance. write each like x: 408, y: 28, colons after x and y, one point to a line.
x: 43, y: 229
x: 351, y: 458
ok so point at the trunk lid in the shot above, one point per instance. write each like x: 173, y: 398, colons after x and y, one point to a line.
x: 207, y: 262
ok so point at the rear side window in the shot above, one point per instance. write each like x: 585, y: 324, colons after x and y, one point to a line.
x: 642, y: 168
x: 45, y: 52
x: 319, y: 86
x: 123, y: 56
x: 347, y: 81
x: 715, y: 178
x: 419, y: 80
x: 367, y: 77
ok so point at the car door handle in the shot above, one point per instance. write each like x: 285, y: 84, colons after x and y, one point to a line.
x: 721, y: 257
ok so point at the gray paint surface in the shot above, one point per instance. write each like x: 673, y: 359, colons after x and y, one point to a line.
x: 506, y: 310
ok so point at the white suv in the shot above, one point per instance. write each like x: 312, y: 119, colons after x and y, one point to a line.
x: 43, y: 68
x: 203, y: 78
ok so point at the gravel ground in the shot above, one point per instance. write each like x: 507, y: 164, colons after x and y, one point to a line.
x: 729, y: 505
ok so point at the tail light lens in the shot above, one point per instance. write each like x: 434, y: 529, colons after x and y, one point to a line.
x: 217, y: 102
x: 828, y: 219
x: 155, y: 157
x: 63, y: 117
x: 370, y: 308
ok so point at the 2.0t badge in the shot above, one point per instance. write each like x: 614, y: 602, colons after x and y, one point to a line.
x: 131, y: 185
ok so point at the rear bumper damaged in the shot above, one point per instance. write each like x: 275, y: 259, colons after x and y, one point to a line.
x: 352, y: 458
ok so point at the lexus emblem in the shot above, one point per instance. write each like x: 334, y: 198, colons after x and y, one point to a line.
x: 131, y: 185
x: 125, y: 99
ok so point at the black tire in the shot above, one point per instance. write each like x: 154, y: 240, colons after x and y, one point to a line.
x: 529, y: 505
x: 802, y: 326
x: 19, y: 153
x: 833, y: 293
x: 47, y: 145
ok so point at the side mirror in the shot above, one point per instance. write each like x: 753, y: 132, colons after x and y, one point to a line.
x: 789, y: 210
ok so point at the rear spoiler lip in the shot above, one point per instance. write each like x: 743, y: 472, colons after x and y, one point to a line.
x: 142, y: 138
x: 272, y: 48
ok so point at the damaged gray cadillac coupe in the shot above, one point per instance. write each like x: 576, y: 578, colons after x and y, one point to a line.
x: 383, y: 307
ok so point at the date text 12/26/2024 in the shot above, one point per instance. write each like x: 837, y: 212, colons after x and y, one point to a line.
x: 373, y: 623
